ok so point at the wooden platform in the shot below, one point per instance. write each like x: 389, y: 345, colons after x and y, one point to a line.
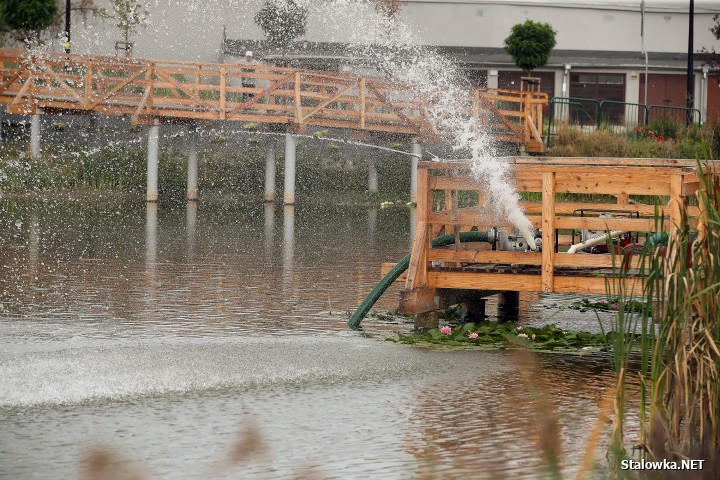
x: 450, y: 201
x: 149, y: 90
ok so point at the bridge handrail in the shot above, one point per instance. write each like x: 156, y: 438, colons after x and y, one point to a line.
x: 147, y: 89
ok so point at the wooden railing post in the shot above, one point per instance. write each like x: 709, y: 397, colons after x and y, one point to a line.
x: 149, y: 85
x: 676, y: 200
x: 298, y: 101
x: 417, y: 270
x: 88, y: 83
x: 548, y: 231
x: 362, y: 103
x: 527, y: 117
x: 223, y: 96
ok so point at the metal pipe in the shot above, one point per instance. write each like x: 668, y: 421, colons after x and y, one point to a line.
x: 594, y: 241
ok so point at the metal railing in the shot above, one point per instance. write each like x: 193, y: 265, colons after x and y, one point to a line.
x: 589, y: 114
x: 677, y: 114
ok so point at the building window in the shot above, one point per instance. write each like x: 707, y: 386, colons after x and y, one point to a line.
x: 510, y: 80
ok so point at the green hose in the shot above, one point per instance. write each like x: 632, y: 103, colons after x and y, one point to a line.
x: 397, y: 270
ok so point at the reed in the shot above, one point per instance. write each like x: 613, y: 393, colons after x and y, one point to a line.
x: 685, y: 387
x: 679, y: 346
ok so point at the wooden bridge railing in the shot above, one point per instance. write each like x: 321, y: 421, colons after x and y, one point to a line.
x: 147, y: 90
x: 558, y: 187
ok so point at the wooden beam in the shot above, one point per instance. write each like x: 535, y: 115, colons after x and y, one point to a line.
x: 548, y: 231
x: 115, y: 89
x: 523, y: 282
x: 298, y: 100
x: 341, y: 90
x: 677, y: 201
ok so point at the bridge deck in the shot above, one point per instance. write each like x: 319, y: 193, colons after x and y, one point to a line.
x: 149, y: 90
x: 563, y: 196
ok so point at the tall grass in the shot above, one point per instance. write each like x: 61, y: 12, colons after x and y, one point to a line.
x: 668, y: 140
x: 679, y: 341
x: 685, y: 390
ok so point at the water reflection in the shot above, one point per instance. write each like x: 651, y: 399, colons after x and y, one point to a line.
x: 34, y: 244
x: 127, y: 301
x: 191, y: 226
x: 288, y: 249
x: 491, y: 427
x: 372, y: 220
x: 269, y: 214
x: 151, y: 220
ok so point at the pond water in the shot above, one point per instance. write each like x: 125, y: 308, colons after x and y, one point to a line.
x: 160, y: 334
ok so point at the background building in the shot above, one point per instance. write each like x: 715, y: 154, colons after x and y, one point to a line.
x: 598, y: 54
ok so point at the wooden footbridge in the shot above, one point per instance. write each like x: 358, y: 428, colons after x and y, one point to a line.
x: 151, y: 91
x: 564, y: 197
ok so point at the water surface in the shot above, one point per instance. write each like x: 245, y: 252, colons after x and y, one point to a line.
x: 161, y: 333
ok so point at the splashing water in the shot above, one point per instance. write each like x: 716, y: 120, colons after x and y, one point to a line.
x: 394, y: 49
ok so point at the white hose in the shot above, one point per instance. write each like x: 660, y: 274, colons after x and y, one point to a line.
x: 595, y: 241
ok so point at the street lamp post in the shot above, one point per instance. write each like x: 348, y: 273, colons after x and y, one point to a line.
x: 690, y: 77
x: 67, y: 26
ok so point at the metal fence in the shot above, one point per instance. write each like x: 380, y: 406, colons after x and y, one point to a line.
x: 677, y: 114
x: 589, y: 114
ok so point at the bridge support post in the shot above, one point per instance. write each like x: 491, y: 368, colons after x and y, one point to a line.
x: 289, y: 186
x: 270, y: 172
x: 508, y: 305
x: 35, y: 134
x: 417, y: 151
x: 192, y: 166
x: 372, y: 176
x: 152, y: 162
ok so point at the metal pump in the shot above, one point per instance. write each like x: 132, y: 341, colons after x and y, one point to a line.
x: 505, y: 241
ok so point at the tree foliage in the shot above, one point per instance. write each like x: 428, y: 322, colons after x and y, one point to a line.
x: 27, y: 18
x: 530, y: 44
x: 711, y: 57
x: 282, y: 21
x: 130, y: 15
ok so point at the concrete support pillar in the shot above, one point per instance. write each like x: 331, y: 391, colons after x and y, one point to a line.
x: 152, y: 163
x: 372, y: 176
x: 192, y: 166
x: 270, y: 172
x: 289, y: 186
x: 35, y: 134
x: 508, y: 305
x: 417, y: 151
x: 413, y: 225
x: 426, y: 320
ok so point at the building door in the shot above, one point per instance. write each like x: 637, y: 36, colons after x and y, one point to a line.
x: 598, y: 87
x: 665, y: 90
